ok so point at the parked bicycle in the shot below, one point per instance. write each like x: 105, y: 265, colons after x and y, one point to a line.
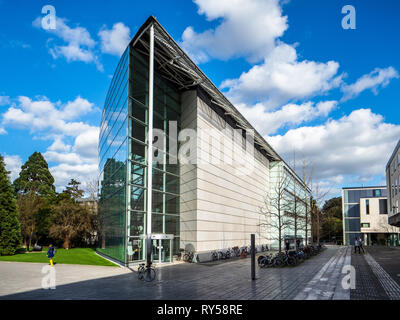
x: 146, y: 273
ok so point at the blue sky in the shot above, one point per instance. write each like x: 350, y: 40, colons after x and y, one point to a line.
x: 302, y: 80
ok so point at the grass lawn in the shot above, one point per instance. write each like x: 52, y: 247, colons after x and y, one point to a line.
x: 85, y: 256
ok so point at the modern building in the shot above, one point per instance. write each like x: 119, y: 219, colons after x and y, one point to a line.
x: 393, y: 183
x: 209, y: 173
x: 365, y: 215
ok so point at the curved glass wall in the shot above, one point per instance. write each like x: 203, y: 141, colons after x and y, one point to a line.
x: 123, y: 161
x: 112, y: 165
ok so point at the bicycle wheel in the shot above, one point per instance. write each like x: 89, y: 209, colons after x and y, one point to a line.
x: 149, y: 274
x: 291, y: 261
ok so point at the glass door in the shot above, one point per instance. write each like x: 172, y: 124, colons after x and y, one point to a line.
x: 166, y: 250
x: 155, y: 248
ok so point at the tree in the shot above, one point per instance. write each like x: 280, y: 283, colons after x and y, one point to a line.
x: 276, y: 207
x: 332, y: 225
x: 10, y: 232
x: 73, y: 189
x: 29, y: 205
x: 35, y: 177
x: 71, y: 219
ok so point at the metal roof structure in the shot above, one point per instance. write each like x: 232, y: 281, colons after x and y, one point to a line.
x: 176, y: 66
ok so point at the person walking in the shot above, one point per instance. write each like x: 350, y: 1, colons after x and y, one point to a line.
x: 297, y: 243
x: 361, y: 245
x: 356, y: 245
x: 51, y: 253
x: 287, y: 246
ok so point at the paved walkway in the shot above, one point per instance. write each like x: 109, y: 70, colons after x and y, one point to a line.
x: 377, y: 274
x: 317, y: 278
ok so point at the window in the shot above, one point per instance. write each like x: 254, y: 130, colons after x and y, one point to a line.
x: 367, y: 206
x: 382, y: 206
x: 377, y: 193
x: 365, y: 225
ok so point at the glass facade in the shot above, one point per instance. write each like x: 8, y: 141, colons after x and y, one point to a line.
x: 123, y: 149
x: 351, y: 208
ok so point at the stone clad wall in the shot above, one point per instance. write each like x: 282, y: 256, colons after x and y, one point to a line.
x: 222, y: 194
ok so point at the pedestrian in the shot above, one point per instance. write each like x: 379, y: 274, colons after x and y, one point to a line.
x: 287, y: 245
x: 361, y: 245
x: 51, y: 253
x: 298, y: 244
x: 356, y: 245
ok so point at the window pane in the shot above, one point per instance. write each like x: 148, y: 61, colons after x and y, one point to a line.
x: 137, y: 223
x: 157, y: 223
x: 172, y: 204
x: 137, y: 198
x: 172, y: 224
x: 138, y: 151
x: 172, y: 184
x: 157, y: 205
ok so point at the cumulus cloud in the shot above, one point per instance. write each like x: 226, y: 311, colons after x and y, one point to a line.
x: 57, y: 122
x: 42, y: 114
x: 79, y: 43
x: 4, y: 100
x: 357, y: 145
x: 290, y: 114
x: 115, y: 40
x: 13, y: 165
x: 372, y: 81
x: 248, y: 29
x: 282, y: 77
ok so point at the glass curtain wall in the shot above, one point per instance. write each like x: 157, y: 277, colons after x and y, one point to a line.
x: 113, y: 164
x: 165, y: 185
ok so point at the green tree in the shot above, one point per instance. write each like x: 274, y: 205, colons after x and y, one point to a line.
x: 332, y: 225
x: 10, y: 232
x: 35, y: 177
x: 73, y: 189
x: 71, y: 219
x: 29, y: 205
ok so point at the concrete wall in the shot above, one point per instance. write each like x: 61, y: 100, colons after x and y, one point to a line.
x: 378, y: 222
x: 221, y: 195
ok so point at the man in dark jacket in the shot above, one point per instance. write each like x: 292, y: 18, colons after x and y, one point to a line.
x: 287, y: 245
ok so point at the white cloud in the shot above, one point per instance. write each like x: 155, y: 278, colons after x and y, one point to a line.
x: 248, y: 29
x: 58, y: 145
x: 372, y: 81
x: 79, y: 43
x: 290, y: 114
x: 115, y: 40
x: 282, y: 77
x: 82, y: 172
x: 42, y: 114
x: 55, y: 121
x: 358, y: 145
x: 13, y: 164
x: 4, y: 100
x: 86, y: 143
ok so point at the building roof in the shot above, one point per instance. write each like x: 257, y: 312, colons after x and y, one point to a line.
x: 366, y: 187
x: 177, y: 67
x: 393, y: 154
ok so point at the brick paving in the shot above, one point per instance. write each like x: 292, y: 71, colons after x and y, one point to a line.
x: 317, y: 278
x: 221, y: 280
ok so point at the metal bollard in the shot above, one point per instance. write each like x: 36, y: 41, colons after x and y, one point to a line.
x: 253, y: 256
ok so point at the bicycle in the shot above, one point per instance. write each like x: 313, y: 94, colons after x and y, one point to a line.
x: 146, y: 273
x: 188, y: 257
x: 214, y: 256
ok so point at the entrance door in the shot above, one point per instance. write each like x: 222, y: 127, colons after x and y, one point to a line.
x: 162, y: 250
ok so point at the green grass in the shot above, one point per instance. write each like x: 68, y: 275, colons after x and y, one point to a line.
x: 85, y: 256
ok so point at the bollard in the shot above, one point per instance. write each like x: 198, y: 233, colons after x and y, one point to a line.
x: 253, y: 256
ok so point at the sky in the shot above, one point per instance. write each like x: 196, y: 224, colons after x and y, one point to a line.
x: 315, y: 91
